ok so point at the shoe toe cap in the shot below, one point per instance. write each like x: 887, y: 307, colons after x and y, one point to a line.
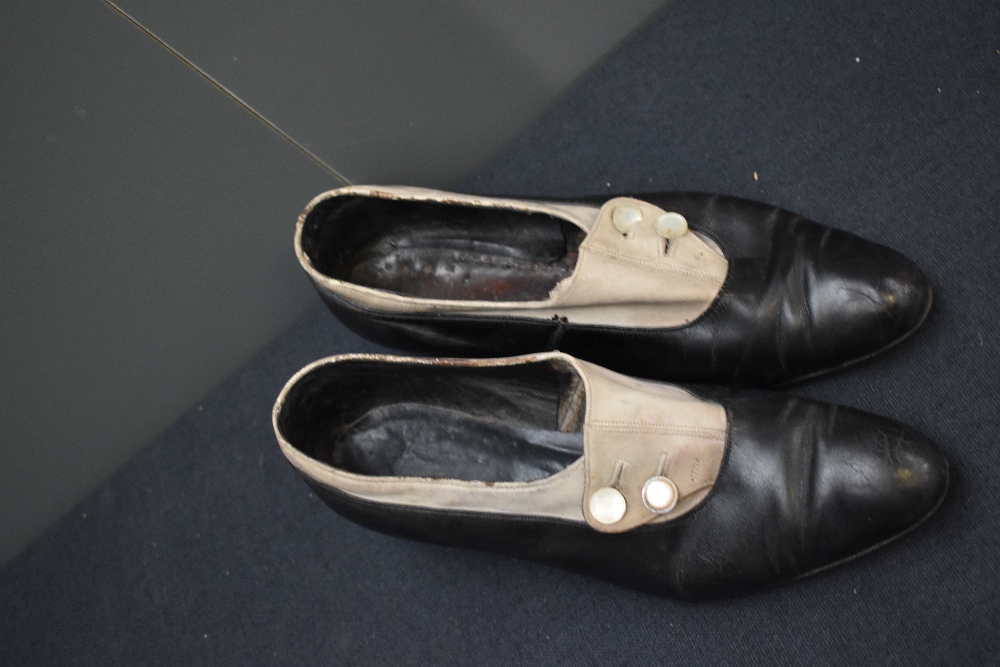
x: 864, y: 298
x: 879, y: 483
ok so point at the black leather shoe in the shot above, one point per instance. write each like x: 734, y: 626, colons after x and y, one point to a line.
x: 681, y: 287
x: 662, y: 489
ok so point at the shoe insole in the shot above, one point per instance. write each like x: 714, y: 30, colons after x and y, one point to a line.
x: 441, y: 251
x: 416, y: 440
x: 492, y: 423
x: 464, y: 275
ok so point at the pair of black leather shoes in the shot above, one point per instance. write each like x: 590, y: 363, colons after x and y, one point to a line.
x: 568, y: 457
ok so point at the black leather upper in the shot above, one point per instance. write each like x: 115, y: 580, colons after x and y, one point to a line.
x: 800, y: 298
x: 803, y: 486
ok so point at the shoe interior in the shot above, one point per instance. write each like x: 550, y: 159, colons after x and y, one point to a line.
x: 441, y: 251
x: 487, y: 423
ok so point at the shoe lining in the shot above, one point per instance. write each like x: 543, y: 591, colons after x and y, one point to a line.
x: 441, y: 251
x: 491, y: 424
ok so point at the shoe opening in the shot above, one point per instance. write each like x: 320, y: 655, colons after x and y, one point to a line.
x: 514, y: 423
x: 440, y: 250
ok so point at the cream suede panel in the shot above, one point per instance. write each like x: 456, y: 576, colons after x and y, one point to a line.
x: 634, y: 280
x: 619, y: 280
x: 633, y: 430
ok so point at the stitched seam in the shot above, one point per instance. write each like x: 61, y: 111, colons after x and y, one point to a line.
x: 556, y: 336
x: 661, y: 467
x: 619, y: 472
x: 657, y: 265
x: 698, y: 489
x: 667, y: 429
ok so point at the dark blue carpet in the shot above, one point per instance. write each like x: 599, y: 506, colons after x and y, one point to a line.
x: 880, y: 118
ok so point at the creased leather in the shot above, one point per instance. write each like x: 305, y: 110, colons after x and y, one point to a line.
x: 799, y: 299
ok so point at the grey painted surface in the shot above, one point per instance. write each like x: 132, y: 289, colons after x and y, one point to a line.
x: 147, y: 218
x: 403, y: 92
x: 146, y: 249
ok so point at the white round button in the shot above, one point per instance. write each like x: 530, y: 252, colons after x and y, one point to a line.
x: 625, y: 216
x: 607, y: 505
x: 660, y: 494
x: 671, y: 225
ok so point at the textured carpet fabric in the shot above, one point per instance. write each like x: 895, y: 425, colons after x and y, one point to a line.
x: 880, y: 118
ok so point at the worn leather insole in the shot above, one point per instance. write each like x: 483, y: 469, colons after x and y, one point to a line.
x: 443, y: 273
x: 493, y: 423
x: 417, y: 440
x: 441, y: 251
x: 438, y: 266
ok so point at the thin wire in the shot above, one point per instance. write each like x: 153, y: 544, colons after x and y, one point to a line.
x: 230, y: 94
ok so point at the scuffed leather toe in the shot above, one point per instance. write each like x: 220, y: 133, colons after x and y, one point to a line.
x: 875, y: 480
x: 806, y: 486
x: 859, y: 298
x: 802, y: 299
